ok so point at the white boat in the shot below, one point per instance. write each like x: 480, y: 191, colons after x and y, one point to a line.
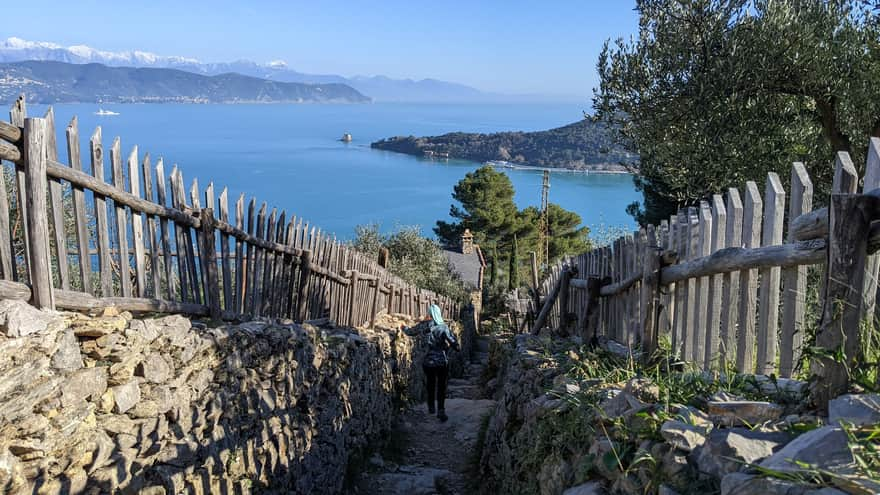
x: 101, y: 111
x: 346, y: 138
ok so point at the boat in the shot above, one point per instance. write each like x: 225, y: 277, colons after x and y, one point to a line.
x: 101, y: 111
x: 346, y: 138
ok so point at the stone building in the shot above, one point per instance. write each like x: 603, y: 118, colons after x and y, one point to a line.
x: 467, y: 261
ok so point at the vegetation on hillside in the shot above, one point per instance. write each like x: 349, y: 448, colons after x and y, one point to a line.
x: 583, y: 145
x: 412, y: 257
x: 712, y: 93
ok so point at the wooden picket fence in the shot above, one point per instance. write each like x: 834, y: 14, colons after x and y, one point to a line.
x: 73, y: 240
x: 726, y: 280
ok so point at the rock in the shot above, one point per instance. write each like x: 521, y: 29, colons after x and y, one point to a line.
x: 591, y: 488
x: 780, y: 386
x: 18, y: 318
x: 856, y: 409
x: 826, y: 447
x: 727, y: 451
x: 67, y: 357
x: 743, y: 412
x: 84, y: 384
x: 694, y: 416
x: 175, y: 328
x: 126, y: 396
x: 98, y: 327
x: 140, y: 329
x: 665, y: 490
x: 750, y: 484
x: 682, y: 435
x: 643, y: 389
x: 155, y: 368
x: 622, y: 404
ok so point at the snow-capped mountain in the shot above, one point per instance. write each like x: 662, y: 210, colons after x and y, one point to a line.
x: 380, y: 88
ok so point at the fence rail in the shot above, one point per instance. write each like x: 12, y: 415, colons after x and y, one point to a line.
x: 723, y: 282
x: 73, y: 240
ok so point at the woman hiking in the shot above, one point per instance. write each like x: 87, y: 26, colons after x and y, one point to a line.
x: 436, y: 364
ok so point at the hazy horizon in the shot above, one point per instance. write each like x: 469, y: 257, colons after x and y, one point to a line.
x: 507, y: 48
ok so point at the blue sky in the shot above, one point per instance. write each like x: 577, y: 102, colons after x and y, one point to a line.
x: 508, y: 46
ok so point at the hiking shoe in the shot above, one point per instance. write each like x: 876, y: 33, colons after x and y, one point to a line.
x: 441, y: 415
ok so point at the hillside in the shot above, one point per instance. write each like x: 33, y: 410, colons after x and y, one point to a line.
x: 582, y: 145
x: 57, y: 82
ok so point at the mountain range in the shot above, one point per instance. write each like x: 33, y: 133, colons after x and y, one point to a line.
x: 379, y: 88
x: 62, y: 82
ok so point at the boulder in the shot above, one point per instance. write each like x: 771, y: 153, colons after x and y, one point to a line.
x: 643, y: 389
x: 743, y: 412
x: 126, y: 396
x: 622, y: 404
x: 857, y: 409
x: 749, y: 484
x: 728, y: 450
x: 18, y: 318
x: 682, y: 435
x: 826, y: 448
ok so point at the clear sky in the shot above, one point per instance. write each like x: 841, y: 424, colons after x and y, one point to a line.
x: 508, y: 46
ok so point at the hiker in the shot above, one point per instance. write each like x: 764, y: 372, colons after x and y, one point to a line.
x: 436, y: 364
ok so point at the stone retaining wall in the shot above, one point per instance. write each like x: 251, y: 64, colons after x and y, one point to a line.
x: 111, y: 404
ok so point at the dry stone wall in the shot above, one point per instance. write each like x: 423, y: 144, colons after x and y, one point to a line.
x: 114, y: 404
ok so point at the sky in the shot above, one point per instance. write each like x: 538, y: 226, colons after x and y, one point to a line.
x: 505, y: 46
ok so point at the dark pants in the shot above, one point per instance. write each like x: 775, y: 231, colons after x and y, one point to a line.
x: 436, y: 379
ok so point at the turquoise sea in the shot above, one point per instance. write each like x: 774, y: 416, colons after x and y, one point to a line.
x: 290, y: 156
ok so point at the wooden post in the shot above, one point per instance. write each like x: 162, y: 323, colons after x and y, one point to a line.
x: 774, y: 212
x: 650, y: 293
x: 208, y: 240
x: 794, y: 279
x: 849, y: 221
x: 374, y: 302
x: 701, y: 307
x: 305, y: 272
x: 548, y: 305
x: 384, y: 257
x: 56, y: 198
x: 719, y: 225
x: 751, y: 237
x: 79, y: 209
x: 533, y: 260
x: 37, y: 222
x: 564, y: 296
x: 352, y: 297
x: 872, y: 265
x: 730, y: 290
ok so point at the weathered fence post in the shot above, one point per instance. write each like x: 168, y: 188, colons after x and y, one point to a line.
x: 34, y: 163
x: 384, y: 256
x: 588, y: 321
x: 548, y: 304
x: 849, y: 222
x: 564, y: 293
x: 305, y: 272
x: 650, y: 293
x: 354, y: 276
x: 208, y: 240
x: 533, y: 260
x: 374, y: 302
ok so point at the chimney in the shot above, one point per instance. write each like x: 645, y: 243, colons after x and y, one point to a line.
x: 467, y: 242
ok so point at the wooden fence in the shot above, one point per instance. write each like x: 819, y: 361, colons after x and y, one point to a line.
x: 726, y: 281
x: 73, y: 240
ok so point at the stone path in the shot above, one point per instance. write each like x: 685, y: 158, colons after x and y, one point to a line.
x: 430, y: 457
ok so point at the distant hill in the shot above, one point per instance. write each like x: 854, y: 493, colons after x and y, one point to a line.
x: 583, y: 145
x: 379, y: 88
x: 51, y: 82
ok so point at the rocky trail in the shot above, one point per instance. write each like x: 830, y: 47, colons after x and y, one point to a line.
x: 427, y: 456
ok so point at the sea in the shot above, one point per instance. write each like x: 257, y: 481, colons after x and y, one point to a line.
x: 291, y: 157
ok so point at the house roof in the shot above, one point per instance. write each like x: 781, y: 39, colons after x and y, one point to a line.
x: 468, y: 266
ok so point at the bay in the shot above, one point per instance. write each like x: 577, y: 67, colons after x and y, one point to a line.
x: 290, y: 156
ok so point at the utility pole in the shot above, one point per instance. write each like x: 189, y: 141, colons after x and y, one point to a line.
x: 544, y: 227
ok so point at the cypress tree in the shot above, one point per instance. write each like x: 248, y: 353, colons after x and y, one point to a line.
x: 513, y: 276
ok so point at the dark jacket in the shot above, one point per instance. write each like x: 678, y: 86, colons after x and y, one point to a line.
x: 438, y: 338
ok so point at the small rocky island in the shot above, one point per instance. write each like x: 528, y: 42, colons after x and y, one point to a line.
x: 583, y: 145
